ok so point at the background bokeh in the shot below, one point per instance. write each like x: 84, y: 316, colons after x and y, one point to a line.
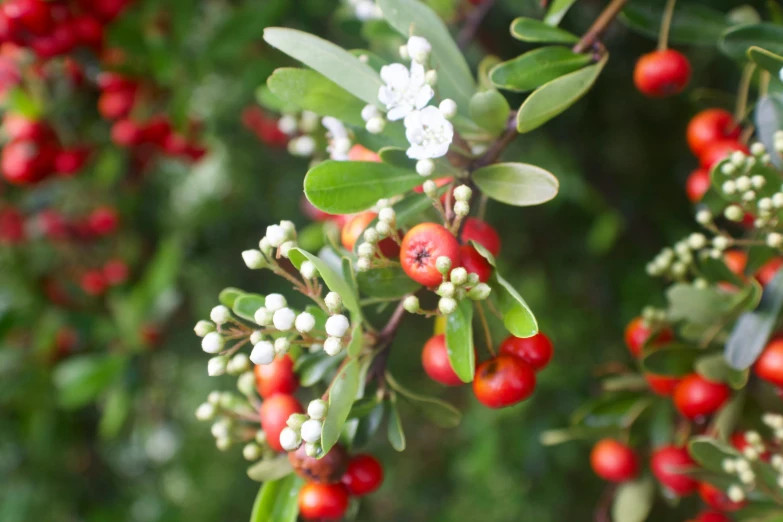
x: 579, y: 261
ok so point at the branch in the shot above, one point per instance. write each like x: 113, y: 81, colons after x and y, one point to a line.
x: 472, y: 23
x: 497, y: 148
x: 599, y: 26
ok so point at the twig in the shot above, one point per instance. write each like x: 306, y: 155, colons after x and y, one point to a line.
x: 472, y: 23
x: 485, y: 326
x: 497, y: 148
x: 599, y: 26
x: 604, y: 504
x: 743, y: 91
x: 666, y: 23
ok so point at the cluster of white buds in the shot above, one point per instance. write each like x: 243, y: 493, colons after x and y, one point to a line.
x: 366, y: 10
x: 370, y: 256
x: 338, y: 137
x: 337, y: 325
x: 277, y: 317
x: 222, y: 409
x: 775, y: 422
x: 462, y: 195
x: 653, y: 318
x: 278, y: 241
x: 778, y: 138
x: 305, y: 428
x: 457, y: 285
x: 678, y: 262
x: 290, y: 125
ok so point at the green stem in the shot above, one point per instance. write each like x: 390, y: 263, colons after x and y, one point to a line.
x: 666, y: 23
x: 743, y: 92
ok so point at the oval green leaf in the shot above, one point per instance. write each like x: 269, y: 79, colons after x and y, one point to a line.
x: 489, y: 110
x: 312, y: 91
x: 616, y: 410
x: 532, y: 30
x: 692, y: 24
x: 389, y: 282
x: 518, y: 184
x: 332, y: 61
x: 674, y: 360
x: 769, y: 61
x: 311, y: 368
x: 341, y: 396
x: 439, y: 412
x: 277, y: 500
x: 517, y: 316
x: 394, y: 429
x: 537, y: 67
x: 552, y: 98
x: 710, y: 452
x: 459, y: 341
x: 270, y: 469
x: 81, y: 379
x: 736, y: 42
x: 714, y: 367
x: 345, y: 187
x: 698, y: 305
x: 557, y: 10
x: 633, y: 500
x: 228, y: 296
x: 333, y: 281
x: 246, y: 305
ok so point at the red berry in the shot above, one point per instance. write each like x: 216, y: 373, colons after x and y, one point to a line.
x: 697, y: 185
x: 108, y: 10
x: 195, y: 152
x: 535, y: 350
x: 712, y: 516
x: 126, y: 133
x: 52, y: 224
x: 769, y: 365
x: 116, y: 104
x: 662, y: 73
x: 329, y: 469
x: 19, y: 127
x: 422, y: 246
x: 93, y: 282
x: 717, y: 151
x: 175, y: 144
x: 768, y: 270
x: 503, y: 381
x: 88, y: 31
x: 740, y: 443
x: 24, y: 162
x: 115, y: 271
x: 103, y: 221
x: 278, y: 377
x: 33, y: 15
x: 695, y: 396
x: 323, y: 502
x: 614, y: 461
x: 274, y: 414
x: 668, y: 464
x: 717, y: 499
x: 354, y: 228
x: 361, y: 153
x: 637, y: 333
x: 69, y: 161
x: 475, y: 263
x: 662, y: 384
x: 482, y: 233
x: 435, y: 360
x: 364, y: 475
x: 709, y: 126
x: 156, y: 130
x: 11, y: 226
x: 113, y: 82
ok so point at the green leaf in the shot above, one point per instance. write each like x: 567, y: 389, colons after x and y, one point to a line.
x: 364, y: 406
x: 21, y: 102
x: 753, y: 329
x: 517, y: 316
x: 313, y: 92
x: 332, y: 61
x: 714, y: 367
x: 537, y: 67
x: 228, y: 296
x: 80, y: 379
x: 277, y: 500
x: 341, y: 396
x: 115, y: 411
x: 274, y: 468
x: 345, y: 187
x: 725, y: 420
x: 623, y: 382
x: 519, y: 184
x: 368, y: 425
x: 617, y: 410
x: 247, y: 305
x: 557, y: 10
x: 769, y: 119
x: 388, y: 282
x: 710, y: 452
x: 439, y: 412
x: 311, y: 368
x: 459, y: 341
x: 482, y: 250
x: 767, y: 60
x: 674, y: 360
x: 561, y: 435
x: 552, y: 98
x: 333, y: 281
x: 490, y: 110
x: 269, y: 101
x: 411, y: 17
x: 531, y: 30
x: 357, y: 338
x: 699, y: 305
x: 692, y: 24
x: 394, y: 429
x: 737, y: 40
x: 633, y: 500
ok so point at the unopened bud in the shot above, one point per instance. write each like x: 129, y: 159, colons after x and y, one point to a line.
x: 333, y: 302
x: 480, y: 292
x: 447, y: 305
x: 202, y: 328
x: 443, y: 264
x: 254, y: 259
x: 463, y: 193
x: 411, y: 304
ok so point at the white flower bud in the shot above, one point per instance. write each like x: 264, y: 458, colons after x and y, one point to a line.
x: 239, y: 363
x: 448, y: 108
x: 775, y: 240
x: 480, y: 292
x: 302, y: 146
x: 735, y: 493
x: 765, y: 204
x: 446, y: 290
x: 447, y: 305
x: 387, y: 215
x: 265, y: 247
x: 748, y: 477
x: 363, y: 264
x: 282, y: 345
x: 286, y: 247
x: 261, y: 437
x: 251, y: 451
x: 263, y: 316
x: 333, y: 301
x: 375, y: 125
x: 287, y: 125
x: 305, y: 322
x: 223, y: 444
x: 729, y: 187
x: 720, y: 242
x: 700, y: 283
x: 741, y: 465
x: 430, y: 187
x: 728, y: 169
x: 749, y: 195
x: 308, y: 270
x: 333, y: 346
x: 728, y: 466
x: 295, y: 421
x: 312, y: 449
x: 750, y: 453
x: 777, y: 461
x: 383, y: 229
x: 371, y: 236
x: 213, y: 342
x: 202, y: 328
x: 758, y: 181
x: 213, y: 397
x: 777, y: 199
x: 220, y: 314
x: 463, y: 193
x: 205, y: 412
x: 337, y: 325
x: 419, y: 49
x: 369, y: 112
x: 734, y: 213
x: 315, y: 347
x: 284, y: 319
x: 254, y: 259
x: 411, y: 304
x: 275, y: 302
x: 263, y: 353
x: 311, y: 430
x: 403, y: 50
x: 246, y: 384
x: 459, y: 276
x: 276, y: 235
x: 317, y: 409
x: 461, y: 208
x: 743, y: 183
x: 737, y: 158
x: 365, y: 250
x: 757, y: 149
x: 289, y: 439
x: 443, y: 264
x: 221, y: 429
x: 257, y: 335
x: 431, y: 77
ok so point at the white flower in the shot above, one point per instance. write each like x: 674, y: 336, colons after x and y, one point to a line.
x: 337, y: 325
x: 429, y: 133
x: 339, y: 143
x: 213, y: 342
x: 367, y: 10
x: 263, y: 353
x: 405, y: 90
x: 263, y: 316
x: 284, y: 319
x: 419, y: 49
x: 311, y: 430
x: 304, y: 322
x: 302, y: 146
x: 275, y: 302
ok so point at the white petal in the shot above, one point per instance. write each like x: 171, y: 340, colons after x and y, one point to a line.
x: 431, y: 117
x: 425, y: 95
x: 399, y: 112
x: 413, y: 120
x: 440, y: 150
x: 395, y: 75
x: 418, y: 152
x: 417, y: 74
